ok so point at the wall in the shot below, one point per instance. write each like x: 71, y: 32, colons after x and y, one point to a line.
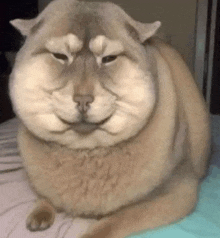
x: 178, y: 19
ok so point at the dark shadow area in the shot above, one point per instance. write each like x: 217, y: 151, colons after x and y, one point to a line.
x: 215, y: 92
x: 10, y: 42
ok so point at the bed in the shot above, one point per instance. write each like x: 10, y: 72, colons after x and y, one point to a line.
x: 17, y: 198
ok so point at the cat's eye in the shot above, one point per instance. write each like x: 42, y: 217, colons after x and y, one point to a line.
x: 60, y: 56
x: 108, y: 59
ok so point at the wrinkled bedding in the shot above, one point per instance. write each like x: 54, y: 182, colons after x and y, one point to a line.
x: 17, y: 199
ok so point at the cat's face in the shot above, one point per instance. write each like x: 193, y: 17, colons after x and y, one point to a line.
x: 83, y: 78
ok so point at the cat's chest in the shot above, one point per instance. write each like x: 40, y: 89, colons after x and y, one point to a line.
x: 86, y: 183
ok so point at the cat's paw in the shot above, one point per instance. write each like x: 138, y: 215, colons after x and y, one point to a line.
x: 41, y: 218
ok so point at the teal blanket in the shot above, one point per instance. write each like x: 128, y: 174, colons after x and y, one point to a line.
x: 204, y: 222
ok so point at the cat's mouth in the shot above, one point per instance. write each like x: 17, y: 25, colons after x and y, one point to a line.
x: 84, y: 127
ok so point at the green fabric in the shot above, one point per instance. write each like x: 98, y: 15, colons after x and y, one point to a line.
x: 204, y: 222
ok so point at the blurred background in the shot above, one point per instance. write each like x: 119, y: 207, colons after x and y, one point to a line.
x: 191, y: 26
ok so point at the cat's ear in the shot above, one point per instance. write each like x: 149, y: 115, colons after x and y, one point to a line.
x: 143, y: 31
x: 146, y: 30
x: 24, y: 26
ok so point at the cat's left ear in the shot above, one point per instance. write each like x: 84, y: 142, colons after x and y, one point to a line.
x: 146, y: 30
x: 24, y: 26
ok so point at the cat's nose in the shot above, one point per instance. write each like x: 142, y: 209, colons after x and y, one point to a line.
x: 83, y: 102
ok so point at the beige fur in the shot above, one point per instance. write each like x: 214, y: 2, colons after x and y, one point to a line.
x: 147, y: 147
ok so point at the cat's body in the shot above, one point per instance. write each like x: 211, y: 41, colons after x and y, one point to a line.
x: 111, y: 127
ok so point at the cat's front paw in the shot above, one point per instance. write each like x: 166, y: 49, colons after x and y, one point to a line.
x: 41, y: 218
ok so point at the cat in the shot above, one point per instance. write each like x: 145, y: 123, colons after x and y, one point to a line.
x: 112, y: 124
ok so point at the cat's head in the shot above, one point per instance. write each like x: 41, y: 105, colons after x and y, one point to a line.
x: 83, y: 77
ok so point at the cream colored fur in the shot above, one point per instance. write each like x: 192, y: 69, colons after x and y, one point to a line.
x: 142, y: 164
x: 41, y: 99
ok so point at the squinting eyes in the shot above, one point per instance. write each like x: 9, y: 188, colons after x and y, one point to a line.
x: 60, y: 56
x: 108, y: 59
x: 105, y: 60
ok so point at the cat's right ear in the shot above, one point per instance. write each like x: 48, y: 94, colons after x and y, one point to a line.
x: 24, y: 26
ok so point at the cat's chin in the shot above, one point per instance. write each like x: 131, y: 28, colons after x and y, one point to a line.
x: 84, y: 127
